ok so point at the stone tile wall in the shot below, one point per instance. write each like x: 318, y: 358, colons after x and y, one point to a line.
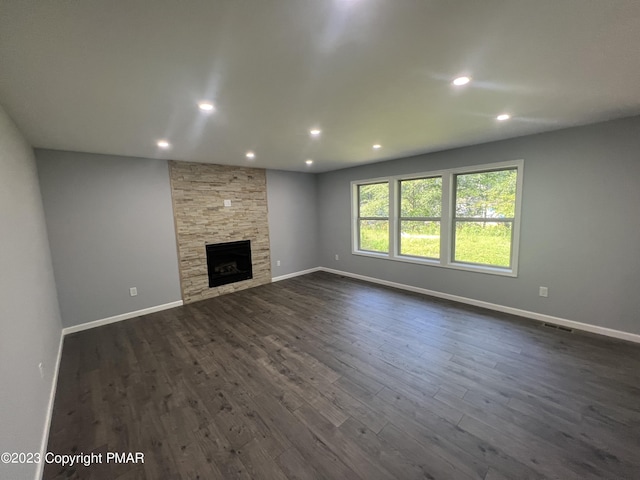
x: 198, y: 193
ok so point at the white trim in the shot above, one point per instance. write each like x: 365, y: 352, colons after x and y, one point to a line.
x: 47, y: 420
x: 119, y: 318
x: 432, y: 262
x: 446, y: 218
x: 295, y: 274
x: 608, y: 332
x: 517, y: 220
x: 394, y: 218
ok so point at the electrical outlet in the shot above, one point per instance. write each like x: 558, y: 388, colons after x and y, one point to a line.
x: 133, y: 291
x: 277, y: 263
x: 337, y: 257
x: 544, y: 292
x: 41, y: 368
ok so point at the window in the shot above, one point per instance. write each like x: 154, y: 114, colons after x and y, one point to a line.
x: 373, y: 217
x: 420, y: 212
x: 464, y: 218
x: 484, y: 216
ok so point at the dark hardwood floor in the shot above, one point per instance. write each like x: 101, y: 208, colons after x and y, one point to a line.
x: 326, y: 377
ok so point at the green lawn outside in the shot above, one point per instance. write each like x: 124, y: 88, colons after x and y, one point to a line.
x: 374, y: 235
x: 475, y: 242
x: 420, y: 239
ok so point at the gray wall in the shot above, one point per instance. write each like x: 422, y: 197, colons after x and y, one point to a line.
x: 29, y: 314
x: 580, y: 233
x: 110, y: 225
x: 293, y: 221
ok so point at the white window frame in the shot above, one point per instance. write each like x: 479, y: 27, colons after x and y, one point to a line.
x: 399, y: 218
x: 358, y: 217
x: 447, y: 220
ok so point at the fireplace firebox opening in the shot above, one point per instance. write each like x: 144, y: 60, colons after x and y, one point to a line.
x: 229, y: 262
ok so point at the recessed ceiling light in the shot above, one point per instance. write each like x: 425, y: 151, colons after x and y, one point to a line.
x: 461, y: 81
x: 309, y: 162
x: 315, y: 132
x: 377, y: 146
x: 502, y: 117
x: 251, y: 155
x: 163, y: 144
x: 206, y: 106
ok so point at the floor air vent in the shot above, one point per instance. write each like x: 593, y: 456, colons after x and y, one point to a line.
x: 558, y: 327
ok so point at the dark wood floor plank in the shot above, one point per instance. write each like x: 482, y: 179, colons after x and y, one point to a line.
x: 530, y: 451
x: 574, y: 448
x: 348, y: 451
x: 406, y: 400
x: 324, y: 377
x: 259, y: 464
x: 608, y: 440
x: 310, y: 446
x: 431, y: 433
x: 494, y: 474
x: 295, y: 467
x: 402, y: 458
x: 306, y: 389
x: 431, y: 464
x: 353, y: 407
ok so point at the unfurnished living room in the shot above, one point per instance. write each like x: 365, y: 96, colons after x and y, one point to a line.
x: 319, y: 239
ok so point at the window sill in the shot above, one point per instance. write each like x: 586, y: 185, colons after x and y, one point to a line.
x: 504, y: 272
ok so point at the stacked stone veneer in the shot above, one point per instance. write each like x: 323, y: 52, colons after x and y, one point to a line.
x: 198, y: 192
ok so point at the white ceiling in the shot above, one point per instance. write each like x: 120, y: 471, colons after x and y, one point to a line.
x: 114, y: 76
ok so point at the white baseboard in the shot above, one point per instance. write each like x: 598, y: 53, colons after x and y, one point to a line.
x: 52, y: 398
x: 609, y: 332
x: 119, y: 318
x: 295, y: 274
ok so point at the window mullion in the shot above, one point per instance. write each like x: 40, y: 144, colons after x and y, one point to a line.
x: 446, y: 223
x: 394, y: 224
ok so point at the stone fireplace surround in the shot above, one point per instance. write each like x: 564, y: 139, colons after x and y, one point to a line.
x: 198, y: 193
